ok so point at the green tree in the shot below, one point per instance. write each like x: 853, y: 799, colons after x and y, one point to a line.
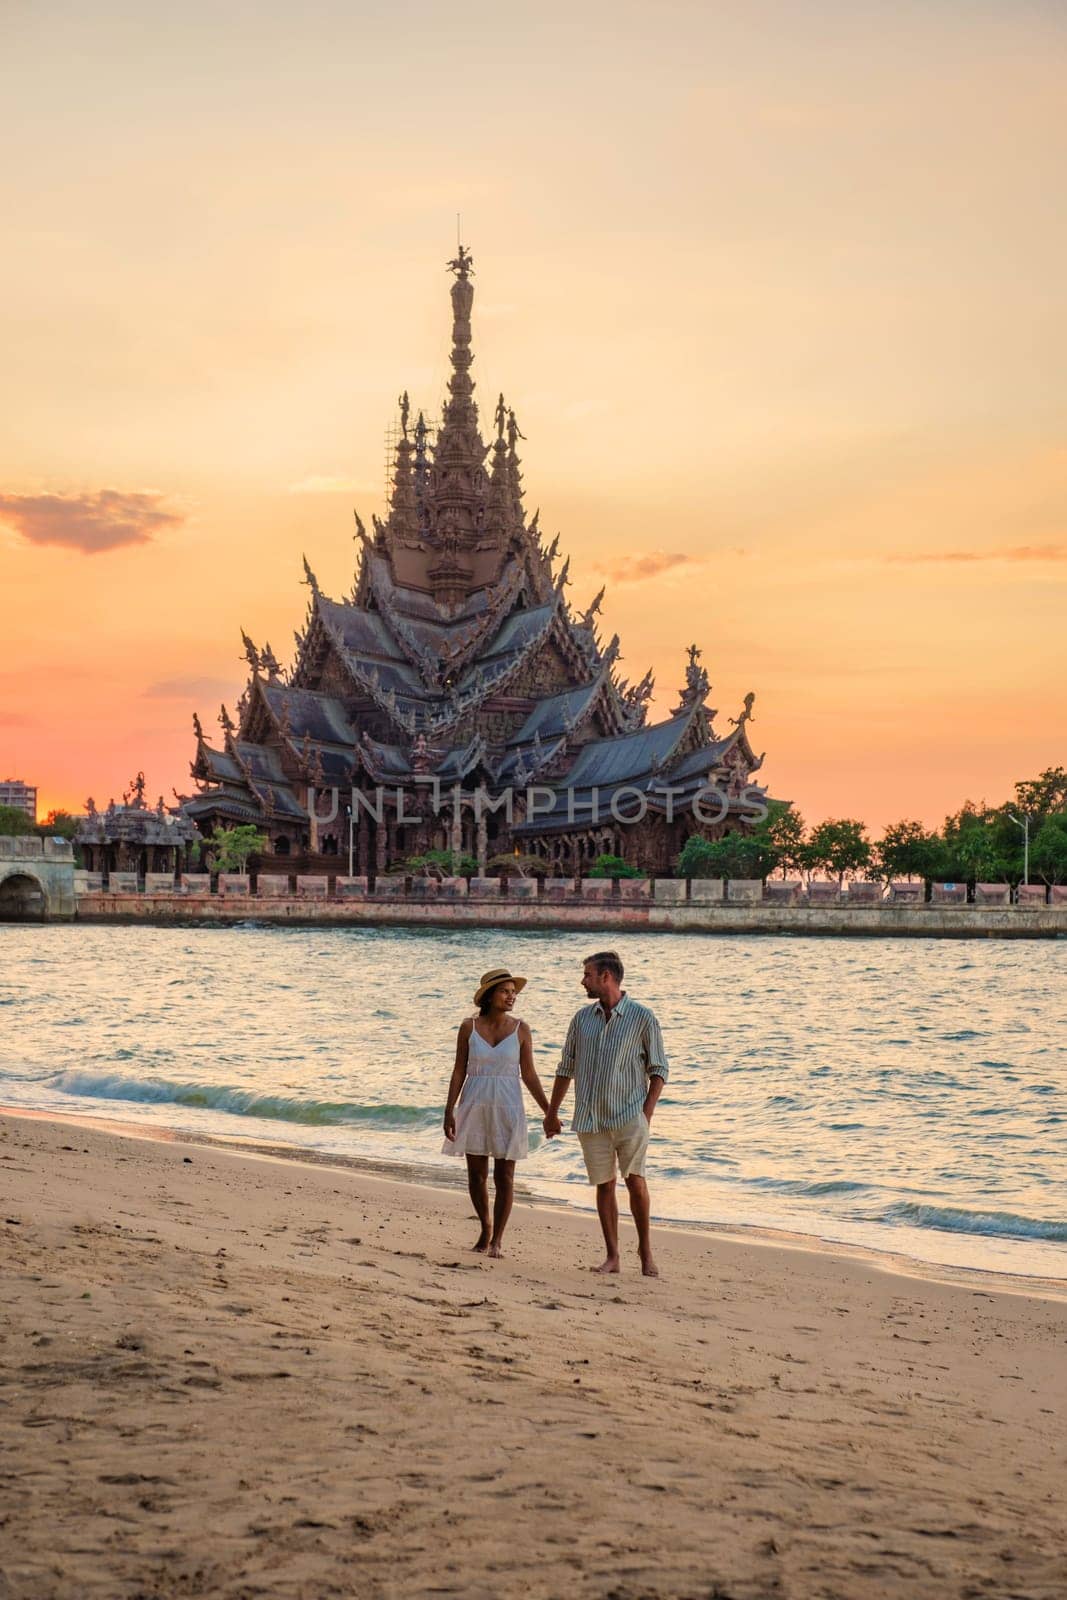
x: 776, y: 843
x: 231, y: 847
x: 907, y: 850
x: 13, y: 820
x: 977, y: 847
x: 1048, y: 849
x: 436, y: 864
x: 613, y: 867
x: 58, y: 824
x: 839, y: 847
x: 522, y: 866
x: 783, y: 830
x: 737, y: 855
x: 1044, y: 795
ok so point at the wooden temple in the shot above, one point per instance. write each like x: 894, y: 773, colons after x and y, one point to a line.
x: 135, y: 836
x: 458, y: 658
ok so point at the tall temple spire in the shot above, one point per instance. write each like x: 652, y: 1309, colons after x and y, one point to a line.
x: 460, y: 409
x: 404, y: 512
x: 514, y: 473
x: 422, y: 434
x: 499, y: 504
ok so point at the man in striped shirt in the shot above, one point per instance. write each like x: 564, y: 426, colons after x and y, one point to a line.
x: 614, y: 1052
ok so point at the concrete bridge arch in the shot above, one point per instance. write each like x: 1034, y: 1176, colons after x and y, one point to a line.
x: 36, y: 879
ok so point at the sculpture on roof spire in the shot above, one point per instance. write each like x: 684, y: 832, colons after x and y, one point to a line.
x: 697, y: 684
x: 251, y: 653
x: 593, y: 608
x: 462, y: 265
x: 746, y: 715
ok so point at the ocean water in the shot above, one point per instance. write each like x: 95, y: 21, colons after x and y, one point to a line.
x: 903, y: 1095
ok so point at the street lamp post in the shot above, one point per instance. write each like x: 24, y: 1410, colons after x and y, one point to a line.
x: 351, y: 826
x: 1023, y: 823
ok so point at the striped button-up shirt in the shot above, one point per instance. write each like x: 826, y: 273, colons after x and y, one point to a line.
x: 611, y: 1060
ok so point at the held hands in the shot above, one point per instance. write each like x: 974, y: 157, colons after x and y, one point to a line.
x: 551, y: 1124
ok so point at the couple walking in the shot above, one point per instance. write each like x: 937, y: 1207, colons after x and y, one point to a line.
x: 613, y: 1051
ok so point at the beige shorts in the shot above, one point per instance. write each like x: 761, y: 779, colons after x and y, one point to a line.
x: 628, y: 1143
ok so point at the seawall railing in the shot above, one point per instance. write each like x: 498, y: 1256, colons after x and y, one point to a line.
x: 590, y: 892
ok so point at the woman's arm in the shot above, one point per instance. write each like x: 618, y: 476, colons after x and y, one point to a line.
x: 459, y: 1073
x: 527, y: 1069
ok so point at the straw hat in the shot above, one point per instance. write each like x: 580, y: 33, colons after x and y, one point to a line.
x: 491, y: 979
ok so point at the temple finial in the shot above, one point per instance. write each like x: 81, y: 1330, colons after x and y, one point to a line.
x: 514, y: 473
x: 462, y: 264
x: 460, y: 410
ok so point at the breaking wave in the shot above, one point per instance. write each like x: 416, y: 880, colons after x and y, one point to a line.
x: 993, y: 1224
x: 243, y: 1102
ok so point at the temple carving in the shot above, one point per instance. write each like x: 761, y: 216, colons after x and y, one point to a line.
x: 457, y: 667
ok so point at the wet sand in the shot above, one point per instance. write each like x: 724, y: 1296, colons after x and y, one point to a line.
x: 229, y: 1375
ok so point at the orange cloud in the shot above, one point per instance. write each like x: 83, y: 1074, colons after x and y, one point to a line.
x: 90, y: 523
x: 1018, y: 552
x: 188, y: 688
x: 650, y: 566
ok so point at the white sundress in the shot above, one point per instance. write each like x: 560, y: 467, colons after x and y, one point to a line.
x: 490, y: 1113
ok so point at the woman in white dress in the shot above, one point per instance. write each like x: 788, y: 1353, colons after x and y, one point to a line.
x: 485, y: 1116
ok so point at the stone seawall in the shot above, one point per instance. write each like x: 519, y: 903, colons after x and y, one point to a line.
x: 921, y: 921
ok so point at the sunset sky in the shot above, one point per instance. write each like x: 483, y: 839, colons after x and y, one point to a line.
x: 777, y: 292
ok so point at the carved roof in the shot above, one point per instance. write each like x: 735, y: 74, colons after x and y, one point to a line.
x: 457, y: 646
x: 607, y: 761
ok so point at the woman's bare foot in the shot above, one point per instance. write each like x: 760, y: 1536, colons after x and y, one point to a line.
x: 610, y: 1265
x: 482, y: 1243
x: 649, y: 1267
x: 495, y: 1251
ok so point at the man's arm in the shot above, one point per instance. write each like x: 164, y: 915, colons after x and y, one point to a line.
x: 552, y: 1124
x: 562, y: 1081
x: 655, y: 1066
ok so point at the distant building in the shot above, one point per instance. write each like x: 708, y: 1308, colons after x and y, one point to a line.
x: 23, y: 796
x: 135, y: 837
x: 458, y: 663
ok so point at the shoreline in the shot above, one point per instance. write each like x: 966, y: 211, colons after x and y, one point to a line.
x: 229, y: 1374
x: 894, y: 1263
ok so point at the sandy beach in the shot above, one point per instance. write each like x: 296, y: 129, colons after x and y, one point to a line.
x: 225, y: 1375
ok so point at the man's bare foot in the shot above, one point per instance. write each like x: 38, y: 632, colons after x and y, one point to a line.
x: 649, y: 1267
x: 495, y: 1251
x: 610, y: 1265
x: 482, y: 1242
